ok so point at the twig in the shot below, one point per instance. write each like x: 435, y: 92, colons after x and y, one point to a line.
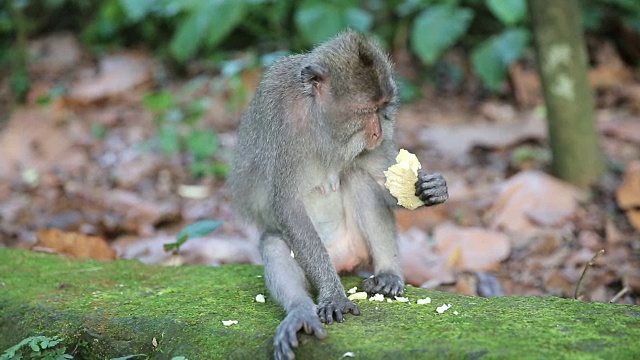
x: 584, y: 272
x: 620, y: 294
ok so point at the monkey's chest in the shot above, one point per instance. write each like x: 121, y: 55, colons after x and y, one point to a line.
x: 335, y: 222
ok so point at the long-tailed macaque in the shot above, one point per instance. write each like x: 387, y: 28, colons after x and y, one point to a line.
x: 308, y: 170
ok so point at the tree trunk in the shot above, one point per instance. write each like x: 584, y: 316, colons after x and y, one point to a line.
x: 562, y: 61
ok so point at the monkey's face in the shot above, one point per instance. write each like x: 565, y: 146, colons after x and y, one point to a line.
x: 362, y: 125
x: 352, y: 82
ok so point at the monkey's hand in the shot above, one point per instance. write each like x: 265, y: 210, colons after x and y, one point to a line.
x: 385, y: 284
x: 333, y: 307
x: 431, y: 188
x: 287, y: 333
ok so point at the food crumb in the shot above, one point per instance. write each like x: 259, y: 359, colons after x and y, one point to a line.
x: 377, y: 297
x: 353, y: 290
x: 455, y: 313
x: 260, y: 298
x: 348, y: 354
x: 426, y: 300
x: 229, y: 322
x: 442, y: 308
x: 402, y: 299
x: 389, y: 300
x: 358, y: 296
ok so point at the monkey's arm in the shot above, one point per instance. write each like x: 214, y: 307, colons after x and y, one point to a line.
x: 431, y: 188
x: 313, y: 258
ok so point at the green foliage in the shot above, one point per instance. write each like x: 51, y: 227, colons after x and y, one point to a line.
x: 179, y: 132
x: 524, y: 154
x: 493, y: 32
x: 594, y: 12
x: 452, y: 20
x: 447, y: 21
x: 492, y: 57
x: 129, y: 357
x: 37, y: 347
x: 318, y: 20
x: 195, y: 230
x: 510, y: 12
x: 207, y: 21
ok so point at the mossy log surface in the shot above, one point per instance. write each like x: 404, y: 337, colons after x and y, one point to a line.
x: 113, y: 309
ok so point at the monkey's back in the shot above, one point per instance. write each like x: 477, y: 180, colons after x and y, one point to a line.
x: 260, y: 146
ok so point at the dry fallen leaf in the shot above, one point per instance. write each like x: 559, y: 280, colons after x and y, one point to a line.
x: 471, y: 249
x: 53, y: 54
x: 75, y: 244
x: 38, y: 139
x: 118, y: 74
x: 531, y: 200
x: 457, y: 141
x: 421, y: 266
x: 628, y: 194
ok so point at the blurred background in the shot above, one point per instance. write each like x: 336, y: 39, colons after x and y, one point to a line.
x: 118, y: 118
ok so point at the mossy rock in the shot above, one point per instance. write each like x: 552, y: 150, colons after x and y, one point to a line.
x: 105, y: 310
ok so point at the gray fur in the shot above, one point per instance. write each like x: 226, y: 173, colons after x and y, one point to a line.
x: 308, y: 175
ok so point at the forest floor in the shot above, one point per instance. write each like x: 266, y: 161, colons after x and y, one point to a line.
x: 95, y: 166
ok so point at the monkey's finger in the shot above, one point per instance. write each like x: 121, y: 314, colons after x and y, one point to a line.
x: 338, y: 315
x: 433, y: 200
x: 434, y: 192
x: 440, y: 199
x: 315, y: 328
x: 431, y: 184
x: 325, y: 314
x: 424, y: 176
x: 291, y: 337
x: 283, y: 352
x: 388, y: 289
x: 354, y: 310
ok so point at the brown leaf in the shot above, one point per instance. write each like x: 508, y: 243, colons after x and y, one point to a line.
x: 75, y: 244
x: 118, y: 74
x: 459, y: 140
x: 473, y: 249
x: 611, y: 71
x: 526, y: 85
x: 38, y: 139
x: 532, y: 199
x: 627, y: 130
x: 420, y: 265
x: 137, y: 213
x: 421, y: 218
x: 54, y: 53
x: 628, y: 194
x: 634, y: 218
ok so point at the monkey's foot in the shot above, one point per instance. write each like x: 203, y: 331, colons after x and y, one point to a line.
x: 431, y: 188
x: 385, y: 284
x: 334, y: 308
x: 287, y: 333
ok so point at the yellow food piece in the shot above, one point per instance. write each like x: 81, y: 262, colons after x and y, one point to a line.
x: 358, y: 296
x: 401, y: 180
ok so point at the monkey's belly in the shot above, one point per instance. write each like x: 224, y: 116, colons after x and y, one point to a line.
x: 338, y: 230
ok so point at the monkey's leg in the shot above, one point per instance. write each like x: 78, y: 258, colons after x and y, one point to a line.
x: 378, y: 225
x: 288, y: 286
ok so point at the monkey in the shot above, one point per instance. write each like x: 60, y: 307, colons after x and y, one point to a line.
x: 308, y: 171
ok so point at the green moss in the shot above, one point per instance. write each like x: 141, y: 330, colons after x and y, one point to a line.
x: 110, y: 309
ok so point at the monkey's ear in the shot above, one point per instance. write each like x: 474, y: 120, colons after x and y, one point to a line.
x: 314, y: 78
